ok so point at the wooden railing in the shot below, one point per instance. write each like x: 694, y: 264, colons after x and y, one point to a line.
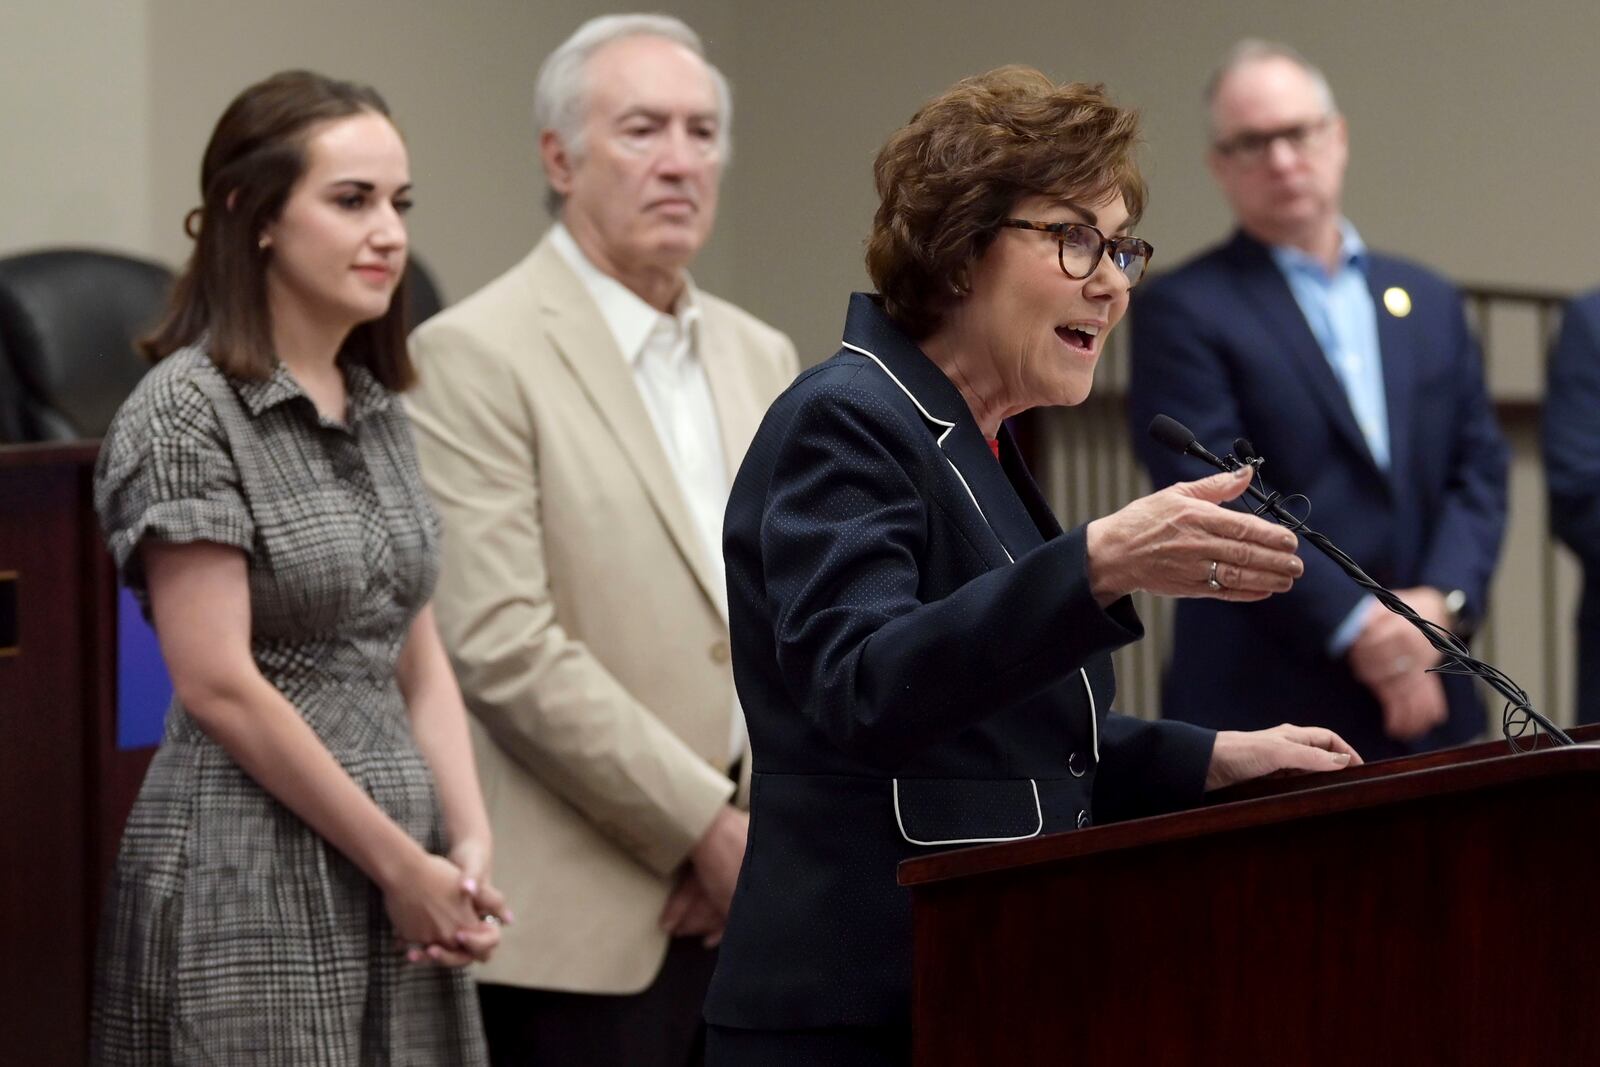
x: 1084, y: 461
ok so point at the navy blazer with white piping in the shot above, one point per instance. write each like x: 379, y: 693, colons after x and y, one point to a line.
x: 1221, y: 345
x: 922, y: 665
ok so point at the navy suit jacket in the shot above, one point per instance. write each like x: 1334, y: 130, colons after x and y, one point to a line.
x: 1221, y: 345
x: 1572, y: 471
x: 922, y: 665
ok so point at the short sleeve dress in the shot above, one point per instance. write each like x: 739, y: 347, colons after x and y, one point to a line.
x: 233, y: 933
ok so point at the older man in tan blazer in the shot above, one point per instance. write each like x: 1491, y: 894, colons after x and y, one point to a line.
x: 580, y: 420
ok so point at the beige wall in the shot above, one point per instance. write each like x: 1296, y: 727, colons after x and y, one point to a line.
x: 108, y: 104
x: 1473, y: 127
x: 74, y: 116
x: 458, y: 78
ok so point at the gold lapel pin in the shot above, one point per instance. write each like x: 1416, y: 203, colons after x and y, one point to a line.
x: 1398, y: 301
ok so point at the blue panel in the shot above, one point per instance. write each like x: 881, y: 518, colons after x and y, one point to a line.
x: 143, y: 688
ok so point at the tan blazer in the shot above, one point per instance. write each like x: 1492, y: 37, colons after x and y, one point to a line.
x: 576, y: 603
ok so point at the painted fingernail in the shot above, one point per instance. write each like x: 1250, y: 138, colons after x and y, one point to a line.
x: 470, y: 885
x: 506, y: 917
x: 412, y: 955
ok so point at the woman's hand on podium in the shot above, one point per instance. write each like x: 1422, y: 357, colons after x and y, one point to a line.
x: 1240, y: 756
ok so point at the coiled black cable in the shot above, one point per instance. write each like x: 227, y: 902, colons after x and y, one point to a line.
x: 1517, y: 716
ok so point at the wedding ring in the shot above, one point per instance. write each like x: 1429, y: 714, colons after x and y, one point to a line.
x: 492, y: 920
x: 1211, y: 579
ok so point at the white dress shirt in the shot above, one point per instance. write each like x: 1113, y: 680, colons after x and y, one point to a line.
x: 663, y: 352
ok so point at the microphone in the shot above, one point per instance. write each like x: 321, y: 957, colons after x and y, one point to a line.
x: 1457, y: 658
x: 1178, y: 437
x: 1172, y: 433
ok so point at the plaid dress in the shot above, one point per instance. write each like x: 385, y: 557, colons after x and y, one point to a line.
x: 234, y: 934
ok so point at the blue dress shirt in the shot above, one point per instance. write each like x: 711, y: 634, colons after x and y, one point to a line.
x: 1343, y: 317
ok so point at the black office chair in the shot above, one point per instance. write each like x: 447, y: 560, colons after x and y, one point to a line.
x: 68, y: 321
x: 423, y: 298
x: 10, y: 403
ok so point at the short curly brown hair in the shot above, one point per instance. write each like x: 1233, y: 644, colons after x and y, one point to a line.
x: 947, y: 178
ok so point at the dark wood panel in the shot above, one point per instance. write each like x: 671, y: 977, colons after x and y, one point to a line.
x: 44, y: 880
x: 49, y: 454
x: 1339, y: 794
x: 1426, y: 916
x: 1444, y: 757
x: 65, y: 788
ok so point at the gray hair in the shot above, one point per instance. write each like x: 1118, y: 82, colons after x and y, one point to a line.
x: 1253, y: 50
x: 560, y: 95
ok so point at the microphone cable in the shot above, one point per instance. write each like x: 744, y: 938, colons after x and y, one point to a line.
x: 1518, y: 715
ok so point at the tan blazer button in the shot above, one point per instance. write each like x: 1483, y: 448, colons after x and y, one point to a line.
x: 720, y: 653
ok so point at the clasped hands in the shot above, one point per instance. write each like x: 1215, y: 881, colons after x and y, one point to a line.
x: 699, y: 903
x: 444, y: 909
x: 1391, y: 657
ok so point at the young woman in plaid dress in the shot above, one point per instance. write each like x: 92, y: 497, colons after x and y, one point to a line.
x: 306, y: 870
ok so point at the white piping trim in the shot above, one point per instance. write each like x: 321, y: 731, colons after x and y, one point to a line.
x: 1094, y: 718
x: 975, y: 504
x: 1037, y: 808
x: 948, y: 426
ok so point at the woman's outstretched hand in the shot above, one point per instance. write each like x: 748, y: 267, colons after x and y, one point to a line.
x: 1173, y: 542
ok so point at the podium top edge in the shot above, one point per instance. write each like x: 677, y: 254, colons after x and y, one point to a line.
x: 50, y: 453
x: 1333, y: 793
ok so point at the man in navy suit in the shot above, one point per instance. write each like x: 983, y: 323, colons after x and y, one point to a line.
x: 1572, y: 471
x: 1356, y: 376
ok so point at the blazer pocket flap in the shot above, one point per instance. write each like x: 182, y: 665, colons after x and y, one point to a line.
x: 966, y: 811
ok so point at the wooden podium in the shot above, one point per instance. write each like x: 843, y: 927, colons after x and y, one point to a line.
x: 1437, y: 909
x: 65, y: 788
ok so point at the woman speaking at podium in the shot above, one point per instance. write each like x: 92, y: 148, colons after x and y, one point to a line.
x: 306, y: 867
x: 923, y: 655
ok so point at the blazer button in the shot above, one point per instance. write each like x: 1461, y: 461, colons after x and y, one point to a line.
x: 1083, y: 818
x: 1077, y: 765
x: 720, y: 653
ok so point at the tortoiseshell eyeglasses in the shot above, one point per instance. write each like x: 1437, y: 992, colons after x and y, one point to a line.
x: 1081, y: 246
